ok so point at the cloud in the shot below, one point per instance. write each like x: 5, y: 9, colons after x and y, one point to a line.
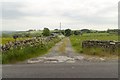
x: 11, y: 10
x: 48, y: 13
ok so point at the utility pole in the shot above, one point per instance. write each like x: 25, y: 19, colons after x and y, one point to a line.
x: 60, y: 27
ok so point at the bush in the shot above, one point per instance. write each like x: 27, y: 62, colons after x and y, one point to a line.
x: 68, y: 32
x: 46, y: 32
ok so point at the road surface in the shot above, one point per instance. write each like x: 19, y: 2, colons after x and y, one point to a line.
x: 62, y: 62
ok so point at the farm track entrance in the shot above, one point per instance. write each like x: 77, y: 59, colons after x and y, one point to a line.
x: 60, y: 53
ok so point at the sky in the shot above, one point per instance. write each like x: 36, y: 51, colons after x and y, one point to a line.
x: 20, y: 15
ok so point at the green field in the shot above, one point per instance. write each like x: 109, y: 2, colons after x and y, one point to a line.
x: 6, y: 37
x: 76, y: 41
x: 5, y: 40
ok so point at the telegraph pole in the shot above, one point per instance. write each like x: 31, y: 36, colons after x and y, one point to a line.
x: 60, y: 27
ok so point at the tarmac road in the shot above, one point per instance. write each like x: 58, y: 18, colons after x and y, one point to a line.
x: 62, y: 70
x: 80, y: 68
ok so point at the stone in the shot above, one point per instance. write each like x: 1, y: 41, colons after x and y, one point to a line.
x: 51, y: 62
x: 102, y: 59
x: 33, y: 61
x: 70, y: 61
x: 78, y: 57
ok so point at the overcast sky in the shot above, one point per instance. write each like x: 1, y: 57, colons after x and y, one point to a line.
x: 73, y: 14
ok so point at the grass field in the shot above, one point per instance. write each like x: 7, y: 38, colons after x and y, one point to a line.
x: 76, y: 41
x: 5, y: 40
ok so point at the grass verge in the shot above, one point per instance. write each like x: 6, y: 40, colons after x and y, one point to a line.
x: 62, y: 47
x: 16, y: 55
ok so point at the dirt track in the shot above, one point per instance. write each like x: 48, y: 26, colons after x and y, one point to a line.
x: 63, y: 52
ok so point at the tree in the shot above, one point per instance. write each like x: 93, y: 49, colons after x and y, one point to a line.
x: 68, y: 32
x: 85, y: 31
x: 56, y: 30
x: 46, y: 32
x: 63, y: 32
x: 76, y: 32
x: 15, y: 37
